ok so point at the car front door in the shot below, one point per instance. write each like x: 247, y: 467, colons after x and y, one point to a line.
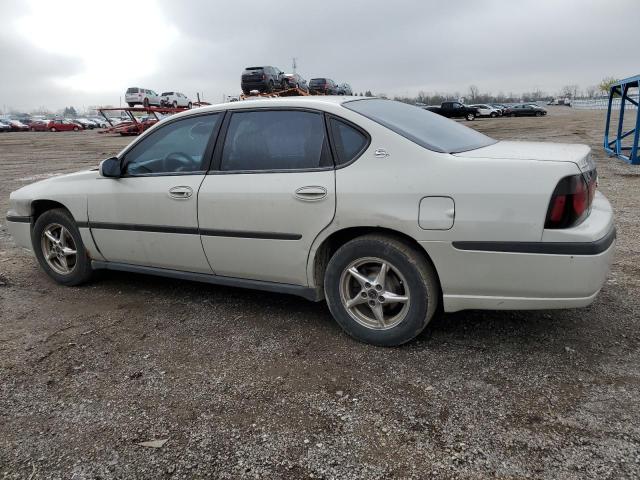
x: 149, y: 216
x: 270, y: 195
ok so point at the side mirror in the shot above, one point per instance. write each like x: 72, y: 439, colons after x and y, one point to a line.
x: 110, y: 168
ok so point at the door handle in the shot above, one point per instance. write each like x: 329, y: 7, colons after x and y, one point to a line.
x: 310, y: 193
x: 180, y: 193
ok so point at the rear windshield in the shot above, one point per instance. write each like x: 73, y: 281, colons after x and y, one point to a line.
x: 427, y: 129
x: 253, y: 69
x: 318, y: 80
x: 131, y: 90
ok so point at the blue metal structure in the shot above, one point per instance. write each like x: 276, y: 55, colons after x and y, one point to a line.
x: 615, y: 146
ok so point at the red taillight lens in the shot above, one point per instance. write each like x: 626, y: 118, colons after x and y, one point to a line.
x: 557, y: 208
x: 571, y: 200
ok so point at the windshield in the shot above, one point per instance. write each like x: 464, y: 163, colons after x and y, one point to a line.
x: 427, y: 129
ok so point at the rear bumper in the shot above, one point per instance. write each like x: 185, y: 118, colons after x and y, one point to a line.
x: 527, y: 281
x: 261, y: 85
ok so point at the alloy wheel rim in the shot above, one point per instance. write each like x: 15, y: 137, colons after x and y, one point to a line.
x: 59, y: 249
x: 374, y: 293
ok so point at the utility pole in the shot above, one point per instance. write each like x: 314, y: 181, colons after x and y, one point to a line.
x: 294, y: 64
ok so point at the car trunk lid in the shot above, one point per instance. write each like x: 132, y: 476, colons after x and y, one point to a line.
x: 540, y: 151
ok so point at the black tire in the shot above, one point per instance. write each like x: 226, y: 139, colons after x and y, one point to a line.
x: 470, y: 117
x: 175, y: 104
x: 145, y: 103
x: 538, y: 114
x: 493, y: 115
x: 76, y: 129
x: 190, y: 105
x: 270, y: 86
x: 131, y: 105
x: 421, y: 281
x: 513, y: 115
x: 53, y: 129
x: 81, y: 271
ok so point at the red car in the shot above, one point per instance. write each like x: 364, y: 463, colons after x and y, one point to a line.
x: 54, y: 126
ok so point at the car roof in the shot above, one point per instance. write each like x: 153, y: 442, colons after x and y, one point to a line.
x: 301, y: 102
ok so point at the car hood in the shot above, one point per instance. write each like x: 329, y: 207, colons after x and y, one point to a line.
x: 541, y: 151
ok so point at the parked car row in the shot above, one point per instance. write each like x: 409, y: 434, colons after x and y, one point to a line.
x: 493, y: 110
x: 269, y: 79
x: 149, y: 98
x: 52, y: 125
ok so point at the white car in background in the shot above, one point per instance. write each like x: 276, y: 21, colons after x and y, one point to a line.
x: 175, y: 100
x: 141, y: 96
x: 388, y: 211
x: 485, y: 110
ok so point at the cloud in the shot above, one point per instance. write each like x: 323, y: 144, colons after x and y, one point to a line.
x: 397, y: 48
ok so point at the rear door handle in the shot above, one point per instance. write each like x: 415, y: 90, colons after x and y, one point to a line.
x: 180, y: 193
x: 311, y: 193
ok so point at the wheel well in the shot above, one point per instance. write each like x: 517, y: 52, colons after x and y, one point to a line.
x: 38, y: 207
x: 334, y: 241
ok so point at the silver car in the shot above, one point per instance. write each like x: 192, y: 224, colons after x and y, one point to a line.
x: 388, y: 212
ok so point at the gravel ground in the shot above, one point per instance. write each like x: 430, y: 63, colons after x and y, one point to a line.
x: 244, y: 384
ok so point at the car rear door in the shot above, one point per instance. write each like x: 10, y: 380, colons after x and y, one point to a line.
x: 149, y: 216
x: 270, y: 195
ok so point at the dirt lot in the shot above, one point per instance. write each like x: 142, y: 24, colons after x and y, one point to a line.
x: 246, y: 384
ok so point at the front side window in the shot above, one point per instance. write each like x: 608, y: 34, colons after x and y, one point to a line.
x: 178, y: 147
x: 275, y: 140
x: 349, y: 142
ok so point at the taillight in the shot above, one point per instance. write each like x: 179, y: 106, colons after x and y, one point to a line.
x: 571, y: 200
x: 264, y: 77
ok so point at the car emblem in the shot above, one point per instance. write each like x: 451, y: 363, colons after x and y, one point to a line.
x: 380, y: 153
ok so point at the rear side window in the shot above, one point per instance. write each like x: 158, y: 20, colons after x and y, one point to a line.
x: 348, y: 142
x: 178, y: 147
x: 275, y: 140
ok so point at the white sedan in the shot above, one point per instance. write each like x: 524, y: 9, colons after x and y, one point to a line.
x: 487, y: 110
x: 386, y: 210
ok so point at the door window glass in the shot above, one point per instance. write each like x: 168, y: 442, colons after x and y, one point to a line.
x: 174, y: 148
x: 275, y: 140
x: 349, y: 142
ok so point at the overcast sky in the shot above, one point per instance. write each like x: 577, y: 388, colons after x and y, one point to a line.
x: 59, y: 53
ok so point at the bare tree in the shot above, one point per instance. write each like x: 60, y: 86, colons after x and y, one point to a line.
x: 591, y: 91
x: 473, y: 93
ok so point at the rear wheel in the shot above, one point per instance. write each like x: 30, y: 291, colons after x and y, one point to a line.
x: 538, y: 114
x: 131, y: 104
x: 175, y: 104
x: 470, y: 116
x: 59, y: 249
x: 270, y: 86
x: 53, y: 129
x: 75, y: 129
x: 190, y: 105
x: 380, y: 290
x: 145, y: 103
x: 33, y: 129
x: 493, y: 115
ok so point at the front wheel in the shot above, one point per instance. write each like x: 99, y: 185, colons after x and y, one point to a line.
x: 190, y: 105
x: 493, y: 115
x: 538, y: 114
x: 75, y: 129
x: 59, y: 249
x: 53, y: 129
x: 381, y: 290
x: 470, y: 116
